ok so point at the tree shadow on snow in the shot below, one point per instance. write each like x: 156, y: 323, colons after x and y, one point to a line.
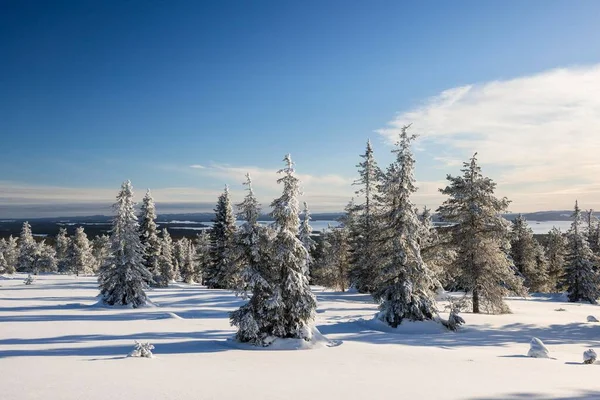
x: 583, y: 395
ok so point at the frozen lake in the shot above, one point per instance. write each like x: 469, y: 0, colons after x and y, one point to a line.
x: 540, y: 227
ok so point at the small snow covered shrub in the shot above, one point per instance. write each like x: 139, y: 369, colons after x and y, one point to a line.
x: 537, y: 349
x: 589, y: 356
x: 28, y: 280
x: 142, y: 349
x: 455, y: 306
x: 591, y: 318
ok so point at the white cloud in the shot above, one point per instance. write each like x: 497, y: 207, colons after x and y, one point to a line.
x: 542, y: 131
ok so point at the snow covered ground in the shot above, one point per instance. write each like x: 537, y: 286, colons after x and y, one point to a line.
x: 55, y: 343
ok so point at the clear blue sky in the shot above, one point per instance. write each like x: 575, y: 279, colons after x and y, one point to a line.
x: 95, y: 92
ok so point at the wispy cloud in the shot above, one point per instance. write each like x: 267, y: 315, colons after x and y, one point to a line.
x: 541, y: 131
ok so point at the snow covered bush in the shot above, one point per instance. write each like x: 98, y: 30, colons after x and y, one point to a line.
x: 142, y: 349
x: 28, y: 280
x: 591, y: 318
x: 537, y: 349
x: 589, y: 356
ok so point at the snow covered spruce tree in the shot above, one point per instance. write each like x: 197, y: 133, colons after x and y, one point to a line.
x: 27, y: 249
x: 527, y: 256
x: 149, y: 236
x: 123, y: 276
x: 254, y: 319
x: 61, y: 247
x: 44, y: 258
x: 404, y: 287
x: 304, y: 235
x: 190, y: 273
x: 364, y: 233
x: 9, y: 250
x: 480, y: 235
x: 166, y: 271
x: 593, y: 232
x: 3, y: 264
x: 436, y: 251
x: 100, y: 250
x: 224, y: 272
x: 581, y: 276
x: 80, y: 259
x: 202, y: 246
x: 556, y: 248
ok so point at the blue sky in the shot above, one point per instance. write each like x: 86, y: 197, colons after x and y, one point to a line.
x: 92, y: 93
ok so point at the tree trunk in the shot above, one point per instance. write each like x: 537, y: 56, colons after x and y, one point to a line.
x: 475, y: 301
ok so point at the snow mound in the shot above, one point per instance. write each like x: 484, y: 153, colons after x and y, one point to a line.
x: 591, y: 318
x: 537, y: 349
x: 173, y: 315
x: 406, y: 327
x: 317, y: 341
x: 589, y: 356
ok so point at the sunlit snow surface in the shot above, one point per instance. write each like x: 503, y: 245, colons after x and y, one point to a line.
x: 57, y: 342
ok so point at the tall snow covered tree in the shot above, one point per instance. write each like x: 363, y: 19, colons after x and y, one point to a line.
x: 166, y: 269
x: 101, y: 248
x: 123, y: 276
x: 149, y: 236
x: 556, y: 249
x: 203, y: 254
x: 593, y: 232
x: 224, y: 272
x: 61, y: 247
x: 27, y: 249
x: 436, y: 251
x: 44, y: 258
x: 404, y: 287
x: 581, y: 276
x: 7, y: 262
x: 3, y: 264
x: 80, y: 259
x: 480, y: 236
x: 527, y: 256
x: 304, y: 235
x: 179, y: 253
x: 11, y: 254
x: 190, y: 273
x: 364, y: 234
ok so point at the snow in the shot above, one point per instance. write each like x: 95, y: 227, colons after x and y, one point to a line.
x: 537, y: 349
x: 54, y: 344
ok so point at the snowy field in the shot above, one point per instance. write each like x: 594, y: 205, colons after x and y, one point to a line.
x: 55, y: 343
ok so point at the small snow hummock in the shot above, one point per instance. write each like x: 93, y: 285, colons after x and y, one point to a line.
x: 537, y: 349
x: 589, y: 356
x: 142, y: 349
x: 591, y: 318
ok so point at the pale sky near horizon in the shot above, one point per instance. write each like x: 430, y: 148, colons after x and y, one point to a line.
x: 185, y: 97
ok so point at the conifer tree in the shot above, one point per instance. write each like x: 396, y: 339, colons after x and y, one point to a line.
x: 166, y: 270
x: 3, y: 264
x: 304, y: 235
x: 149, y: 236
x: 404, y: 286
x: 224, y: 272
x: 101, y: 248
x: 44, y: 258
x: 480, y: 235
x: 189, y: 270
x: 333, y: 266
x: 527, y: 256
x: 123, y: 276
x: 62, y: 248
x: 593, y: 232
x: 581, y: 277
x: 436, y: 251
x: 27, y: 250
x: 364, y: 234
x: 203, y: 254
x: 11, y: 254
x: 80, y: 259
x: 179, y: 254
x: 556, y: 248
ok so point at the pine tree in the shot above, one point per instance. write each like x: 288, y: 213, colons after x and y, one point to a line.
x: 480, y: 235
x: 404, y: 286
x: 364, y: 234
x: 527, y: 256
x: 556, y: 249
x: 304, y: 235
x: 203, y: 255
x: 149, y: 236
x: 11, y: 255
x: 27, y: 250
x: 123, y: 276
x: 80, y: 259
x: 62, y: 247
x: 101, y: 248
x: 224, y: 272
x: 166, y: 270
x: 581, y: 277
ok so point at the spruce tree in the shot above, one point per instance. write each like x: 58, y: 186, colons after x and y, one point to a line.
x: 166, y: 270
x: 27, y: 250
x: 189, y: 270
x: 556, y: 249
x: 304, y: 235
x: 44, y: 258
x: 123, y: 276
x: 3, y: 264
x: 436, y: 251
x: 62, y: 248
x: 581, y: 276
x: 149, y: 236
x: 527, y: 256
x: 224, y: 272
x: 480, y: 235
x: 297, y: 303
x: 203, y: 254
x: 593, y: 232
x: 404, y: 286
x: 101, y: 248
x: 11, y: 254
x: 179, y: 254
x: 80, y: 259
x: 364, y: 234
